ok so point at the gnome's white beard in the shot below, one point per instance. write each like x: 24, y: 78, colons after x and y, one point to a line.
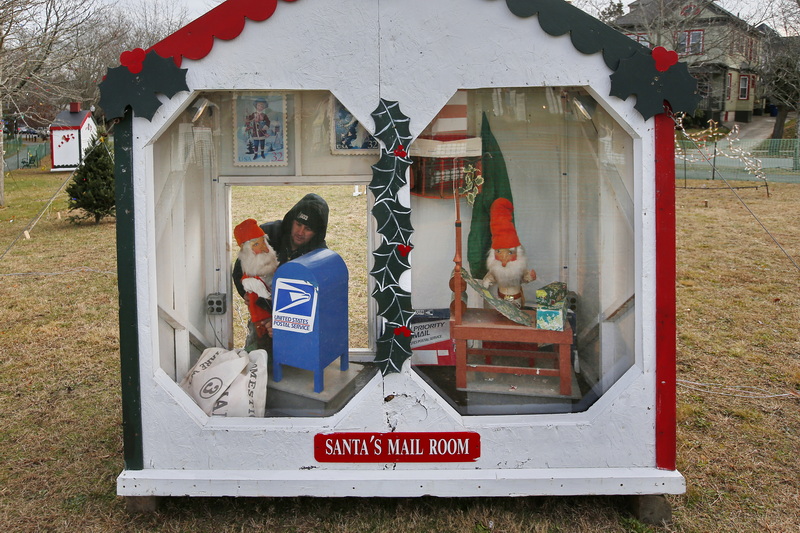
x: 262, y: 265
x: 509, y: 278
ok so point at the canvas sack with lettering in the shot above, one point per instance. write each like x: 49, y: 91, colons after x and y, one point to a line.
x: 211, y: 376
x: 247, y: 395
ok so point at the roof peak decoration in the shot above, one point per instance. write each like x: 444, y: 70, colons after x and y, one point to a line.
x: 226, y: 22
x: 651, y: 85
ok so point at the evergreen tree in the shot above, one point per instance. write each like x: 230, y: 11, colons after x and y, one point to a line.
x: 92, y: 186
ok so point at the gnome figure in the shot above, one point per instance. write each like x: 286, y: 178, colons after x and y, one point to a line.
x: 506, y: 262
x: 259, y: 263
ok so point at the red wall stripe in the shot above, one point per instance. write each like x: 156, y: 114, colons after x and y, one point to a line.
x: 665, y: 293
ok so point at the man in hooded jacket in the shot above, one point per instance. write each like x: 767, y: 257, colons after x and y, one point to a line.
x: 302, y: 230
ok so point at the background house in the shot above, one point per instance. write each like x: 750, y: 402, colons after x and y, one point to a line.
x: 721, y: 50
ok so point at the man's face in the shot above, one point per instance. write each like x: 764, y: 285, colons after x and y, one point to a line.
x: 301, y: 234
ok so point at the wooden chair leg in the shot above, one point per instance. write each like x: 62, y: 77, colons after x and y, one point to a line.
x: 461, y: 364
x: 564, y: 369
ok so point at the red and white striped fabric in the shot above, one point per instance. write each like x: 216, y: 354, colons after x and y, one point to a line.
x: 452, y: 119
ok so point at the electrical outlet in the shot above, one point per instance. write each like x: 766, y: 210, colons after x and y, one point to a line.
x: 216, y: 303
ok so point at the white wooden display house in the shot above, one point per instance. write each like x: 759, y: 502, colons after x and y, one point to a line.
x: 71, y: 134
x: 550, y: 108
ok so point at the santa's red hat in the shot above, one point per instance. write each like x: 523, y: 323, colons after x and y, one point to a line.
x: 501, y: 222
x: 247, y: 230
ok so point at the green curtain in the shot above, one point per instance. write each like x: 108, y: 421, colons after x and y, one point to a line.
x: 495, y: 185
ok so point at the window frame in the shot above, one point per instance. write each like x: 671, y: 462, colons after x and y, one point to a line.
x: 641, y: 38
x: 685, y: 42
x: 729, y: 85
x: 744, y: 86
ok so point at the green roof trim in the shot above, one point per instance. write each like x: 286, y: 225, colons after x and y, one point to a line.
x: 634, y: 68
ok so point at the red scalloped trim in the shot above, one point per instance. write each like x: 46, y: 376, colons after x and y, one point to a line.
x: 226, y: 22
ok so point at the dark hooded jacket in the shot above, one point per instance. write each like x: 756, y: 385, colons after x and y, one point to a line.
x: 311, y: 210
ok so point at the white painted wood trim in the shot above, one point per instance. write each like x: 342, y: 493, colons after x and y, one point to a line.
x: 400, y: 483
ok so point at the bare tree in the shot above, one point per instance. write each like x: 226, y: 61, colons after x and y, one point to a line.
x: 780, y: 70
x: 53, y: 52
x: 137, y: 25
x: 36, y: 50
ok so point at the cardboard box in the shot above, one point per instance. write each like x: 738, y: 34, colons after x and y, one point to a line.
x: 551, y: 317
x: 430, y: 341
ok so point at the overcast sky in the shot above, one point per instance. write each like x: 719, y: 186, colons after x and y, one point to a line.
x: 746, y: 9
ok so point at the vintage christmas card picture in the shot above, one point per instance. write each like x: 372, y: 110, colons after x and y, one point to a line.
x: 259, y: 130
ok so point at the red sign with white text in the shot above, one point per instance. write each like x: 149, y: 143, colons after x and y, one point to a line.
x: 409, y: 447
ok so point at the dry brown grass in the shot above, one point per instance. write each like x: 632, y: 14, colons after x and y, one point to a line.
x: 60, y: 434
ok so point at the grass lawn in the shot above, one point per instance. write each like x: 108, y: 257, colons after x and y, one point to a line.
x: 738, y: 405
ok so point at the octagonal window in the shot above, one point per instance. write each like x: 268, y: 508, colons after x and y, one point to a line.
x: 531, y: 190
x: 283, y: 160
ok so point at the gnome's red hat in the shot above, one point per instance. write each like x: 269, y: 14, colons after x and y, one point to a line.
x: 247, y: 230
x: 501, y: 222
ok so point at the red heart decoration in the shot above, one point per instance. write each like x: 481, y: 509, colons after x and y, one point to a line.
x: 403, y: 330
x: 404, y: 249
x: 664, y: 58
x: 132, y: 59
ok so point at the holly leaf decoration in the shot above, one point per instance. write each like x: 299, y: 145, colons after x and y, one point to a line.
x: 394, y: 221
x: 639, y: 75
x: 393, y: 350
x: 389, y: 265
x: 388, y: 175
x: 394, y: 224
x: 394, y: 304
x: 391, y: 126
x: 154, y: 74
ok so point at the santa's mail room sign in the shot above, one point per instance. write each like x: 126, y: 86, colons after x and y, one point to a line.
x: 410, y: 447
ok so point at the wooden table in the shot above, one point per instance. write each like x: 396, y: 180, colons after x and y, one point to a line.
x: 490, y: 325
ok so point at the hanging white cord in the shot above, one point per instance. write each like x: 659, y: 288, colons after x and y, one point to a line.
x: 38, y: 217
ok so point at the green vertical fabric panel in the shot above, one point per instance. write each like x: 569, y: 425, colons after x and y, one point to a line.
x: 495, y: 185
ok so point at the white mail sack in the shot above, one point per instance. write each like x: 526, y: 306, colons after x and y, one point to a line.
x: 211, y: 376
x: 247, y: 395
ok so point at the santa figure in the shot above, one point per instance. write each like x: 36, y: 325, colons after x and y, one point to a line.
x: 259, y: 262
x: 506, y: 262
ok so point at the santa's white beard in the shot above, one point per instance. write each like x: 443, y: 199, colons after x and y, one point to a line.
x: 509, y: 276
x: 262, y: 265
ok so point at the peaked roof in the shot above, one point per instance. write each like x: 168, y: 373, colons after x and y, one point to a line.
x: 636, y: 71
x: 68, y: 119
x: 643, y: 12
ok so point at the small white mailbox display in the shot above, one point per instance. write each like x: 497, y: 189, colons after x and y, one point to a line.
x: 71, y: 134
x: 520, y: 170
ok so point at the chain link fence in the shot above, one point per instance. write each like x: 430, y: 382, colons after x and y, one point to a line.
x: 773, y: 160
x: 24, y: 155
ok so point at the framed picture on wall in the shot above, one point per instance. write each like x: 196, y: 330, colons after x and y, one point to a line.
x: 348, y: 137
x: 259, y: 130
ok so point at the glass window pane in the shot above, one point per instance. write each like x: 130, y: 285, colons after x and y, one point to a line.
x: 562, y: 248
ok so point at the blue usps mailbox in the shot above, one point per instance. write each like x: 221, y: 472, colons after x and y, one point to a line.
x: 309, y: 319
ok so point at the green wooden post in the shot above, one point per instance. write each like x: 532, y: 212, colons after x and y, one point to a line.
x: 126, y: 283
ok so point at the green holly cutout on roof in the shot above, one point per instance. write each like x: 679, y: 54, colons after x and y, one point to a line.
x: 653, y: 78
x: 137, y: 81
